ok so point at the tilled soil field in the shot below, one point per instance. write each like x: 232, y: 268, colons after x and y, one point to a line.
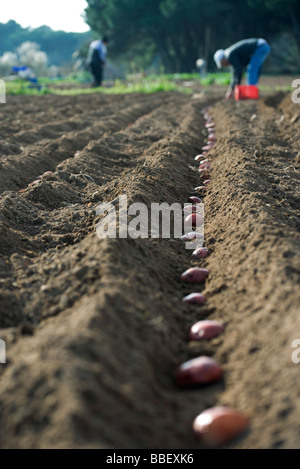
x: 95, y: 329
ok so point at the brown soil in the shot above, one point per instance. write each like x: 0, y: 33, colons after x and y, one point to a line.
x: 95, y: 329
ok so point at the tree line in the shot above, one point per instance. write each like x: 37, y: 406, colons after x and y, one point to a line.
x: 177, y: 32
x: 58, y: 45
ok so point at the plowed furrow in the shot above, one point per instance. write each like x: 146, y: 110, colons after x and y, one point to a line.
x: 37, y: 153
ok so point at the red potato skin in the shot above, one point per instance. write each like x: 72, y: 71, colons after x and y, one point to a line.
x: 34, y: 183
x: 219, y: 425
x: 195, y: 275
x: 204, y: 165
x: 200, y: 253
x: 198, y: 157
x: 191, y: 236
x: 203, y: 171
x: 194, y: 219
x: 195, y: 200
x: 205, y: 161
x: 190, y: 209
x: 206, y: 330
x: 194, y: 298
x: 200, y: 370
x: 47, y: 173
x: 204, y: 176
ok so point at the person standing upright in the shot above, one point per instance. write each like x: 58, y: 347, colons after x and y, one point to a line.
x: 250, y: 53
x: 96, y: 59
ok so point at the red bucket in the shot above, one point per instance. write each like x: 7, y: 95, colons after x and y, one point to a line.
x: 246, y: 92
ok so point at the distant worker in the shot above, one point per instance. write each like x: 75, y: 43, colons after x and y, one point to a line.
x: 96, y: 59
x: 201, y: 67
x: 250, y: 53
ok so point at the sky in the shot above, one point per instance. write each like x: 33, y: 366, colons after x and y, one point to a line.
x: 57, y: 14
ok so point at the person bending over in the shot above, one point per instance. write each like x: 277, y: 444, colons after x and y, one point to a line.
x: 249, y: 54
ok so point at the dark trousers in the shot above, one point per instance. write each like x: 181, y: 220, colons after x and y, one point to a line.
x: 97, y: 72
